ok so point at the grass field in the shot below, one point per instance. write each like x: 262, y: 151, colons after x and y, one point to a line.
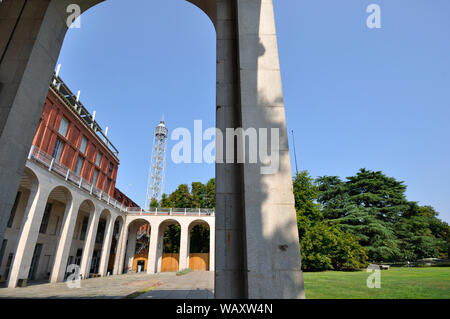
x: 396, y: 283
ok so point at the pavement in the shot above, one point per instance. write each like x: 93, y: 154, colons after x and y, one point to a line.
x: 167, y: 285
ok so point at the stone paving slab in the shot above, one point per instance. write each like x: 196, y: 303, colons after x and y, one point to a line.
x: 193, y: 285
x: 197, y: 284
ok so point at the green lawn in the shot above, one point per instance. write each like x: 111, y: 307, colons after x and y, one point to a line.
x: 396, y: 283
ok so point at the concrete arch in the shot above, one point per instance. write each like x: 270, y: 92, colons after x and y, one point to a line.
x: 29, y: 178
x: 199, y: 222
x: 114, y: 251
x: 198, y: 259
x: 175, y: 256
x: 248, y: 88
x: 136, y: 244
x: 61, y: 192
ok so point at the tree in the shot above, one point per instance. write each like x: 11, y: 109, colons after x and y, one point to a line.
x: 305, y: 196
x: 323, y: 245
x: 165, y: 201
x: 375, y: 190
x: 421, y: 234
x: 210, y: 199
x: 171, y: 242
x: 181, y: 197
x: 198, y: 191
x: 372, y: 233
x: 199, y: 242
x: 332, y: 195
x: 373, y: 207
x: 154, y: 203
x: 326, y: 247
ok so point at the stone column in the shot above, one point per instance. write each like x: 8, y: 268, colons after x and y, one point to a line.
x: 229, y: 258
x: 65, y: 240
x: 212, y: 243
x: 89, y: 243
x: 153, y: 249
x: 120, y: 250
x: 28, y: 235
x: 272, y: 252
x: 106, y: 249
x: 160, y: 247
x: 31, y: 36
x: 131, y: 247
x: 184, y: 247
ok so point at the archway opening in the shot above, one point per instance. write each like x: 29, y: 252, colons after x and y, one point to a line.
x: 99, y: 254
x: 169, y: 246
x: 113, y: 252
x: 28, y: 185
x: 137, y: 247
x: 85, y: 215
x: 45, y: 249
x: 199, y: 246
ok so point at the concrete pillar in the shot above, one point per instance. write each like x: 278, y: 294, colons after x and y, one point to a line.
x: 106, y: 249
x: 212, y: 243
x: 257, y: 253
x: 183, y: 263
x: 89, y: 244
x: 31, y: 36
x: 131, y: 247
x: 153, y: 249
x: 229, y: 258
x: 272, y: 252
x: 65, y: 240
x: 29, y: 233
x: 160, y: 247
x: 120, y: 250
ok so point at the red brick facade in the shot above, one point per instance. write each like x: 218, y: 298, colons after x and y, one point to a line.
x: 63, y: 134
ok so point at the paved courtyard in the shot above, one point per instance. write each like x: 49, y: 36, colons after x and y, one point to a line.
x: 194, y: 285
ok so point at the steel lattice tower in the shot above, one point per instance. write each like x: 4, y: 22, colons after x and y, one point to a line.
x: 157, y: 164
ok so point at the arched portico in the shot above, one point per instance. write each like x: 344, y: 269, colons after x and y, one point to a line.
x: 200, y: 242
x: 34, y: 260
x: 113, y: 259
x: 255, y: 211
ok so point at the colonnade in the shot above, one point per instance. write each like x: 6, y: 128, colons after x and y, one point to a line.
x: 82, y: 225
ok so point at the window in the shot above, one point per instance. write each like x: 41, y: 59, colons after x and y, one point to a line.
x: 57, y: 151
x: 46, y: 218
x: 63, y: 126
x: 95, y: 177
x: 98, y: 159
x: 13, y: 210
x: 83, y: 145
x: 2, y: 250
x: 84, y: 228
x: 55, y: 231
x: 110, y: 170
x: 108, y: 184
x: 79, y: 166
x: 8, y: 264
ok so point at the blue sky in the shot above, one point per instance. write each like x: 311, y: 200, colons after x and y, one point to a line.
x: 355, y: 97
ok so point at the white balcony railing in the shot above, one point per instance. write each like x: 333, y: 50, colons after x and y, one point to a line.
x: 49, y: 162
x: 201, y: 212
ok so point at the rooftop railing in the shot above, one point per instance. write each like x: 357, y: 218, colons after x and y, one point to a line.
x: 74, y: 101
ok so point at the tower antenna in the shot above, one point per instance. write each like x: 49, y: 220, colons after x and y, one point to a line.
x: 295, y: 154
x: 156, y: 175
